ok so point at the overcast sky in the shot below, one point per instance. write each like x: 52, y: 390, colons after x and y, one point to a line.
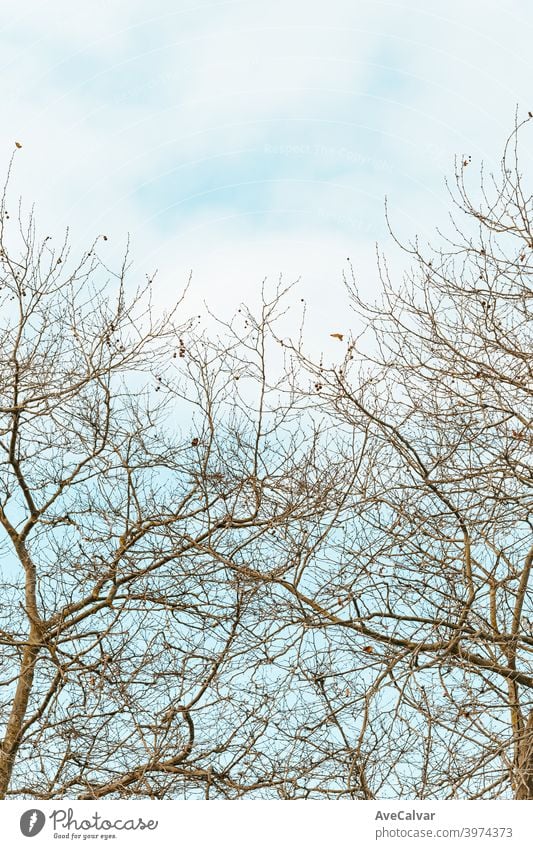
x: 245, y: 139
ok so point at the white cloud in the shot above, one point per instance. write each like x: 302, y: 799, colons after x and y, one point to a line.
x: 244, y: 139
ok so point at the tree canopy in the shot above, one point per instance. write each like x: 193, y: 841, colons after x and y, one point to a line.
x: 232, y: 570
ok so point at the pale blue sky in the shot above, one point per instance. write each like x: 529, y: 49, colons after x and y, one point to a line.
x: 244, y: 138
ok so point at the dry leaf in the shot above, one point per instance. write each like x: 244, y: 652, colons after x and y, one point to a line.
x: 339, y: 336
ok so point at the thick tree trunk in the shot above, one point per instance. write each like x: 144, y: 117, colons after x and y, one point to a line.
x: 15, y: 724
x: 13, y: 735
x: 524, y: 772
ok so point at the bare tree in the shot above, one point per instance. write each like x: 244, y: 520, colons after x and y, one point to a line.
x: 156, y: 488
x: 437, y: 554
x: 232, y: 571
